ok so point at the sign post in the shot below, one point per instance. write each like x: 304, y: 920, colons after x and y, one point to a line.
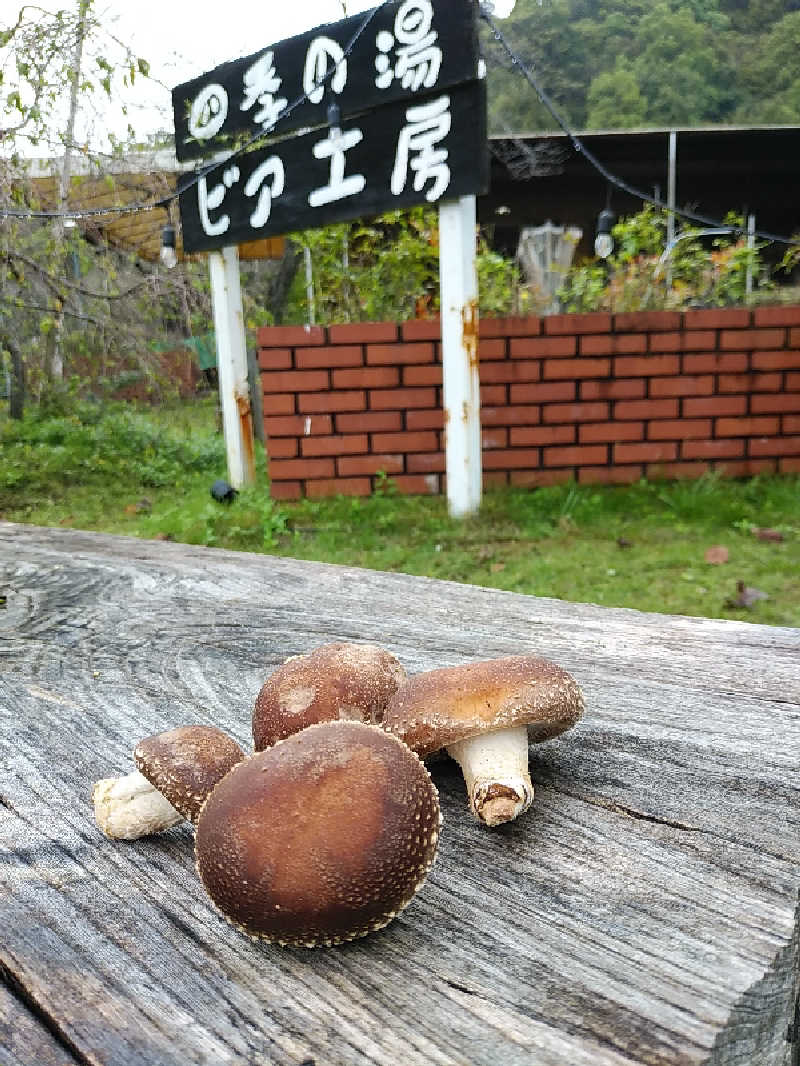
x: 458, y: 288
x: 237, y: 416
x: 374, y: 113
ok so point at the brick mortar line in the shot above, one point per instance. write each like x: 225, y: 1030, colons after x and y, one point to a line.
x: 679, y: 444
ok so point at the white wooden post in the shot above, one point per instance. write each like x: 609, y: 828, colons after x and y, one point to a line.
x: 458, y: 286
x: 237, y: 417
x: 312, y: 311
x: 751, y: 247
x: 672, y: 183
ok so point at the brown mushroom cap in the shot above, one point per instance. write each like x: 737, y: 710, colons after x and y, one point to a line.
x: 186, y: 763
x: 440, y: 707
x: 346, y: 681
x: 321, y: 838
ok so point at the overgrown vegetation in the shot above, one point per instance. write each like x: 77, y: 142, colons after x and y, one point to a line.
x: 388, y: 269
x: 699, y: 271
x: 148, y: 474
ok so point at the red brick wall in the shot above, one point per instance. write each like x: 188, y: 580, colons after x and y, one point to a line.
x: 595, y: 397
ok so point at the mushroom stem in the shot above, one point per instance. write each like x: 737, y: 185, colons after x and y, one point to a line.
x: 126, y: 808
x: 495, y: 767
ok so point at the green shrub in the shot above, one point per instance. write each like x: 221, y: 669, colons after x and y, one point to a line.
x: 702, y: 270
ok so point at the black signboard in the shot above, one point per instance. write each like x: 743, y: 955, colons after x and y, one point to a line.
x: 409, y: 48
x: 425, y: 150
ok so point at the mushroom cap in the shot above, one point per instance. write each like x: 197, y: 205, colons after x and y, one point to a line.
x: 342, y: 680
x: 186, y: 763
x: 321, y: 838
x: 440, y: 707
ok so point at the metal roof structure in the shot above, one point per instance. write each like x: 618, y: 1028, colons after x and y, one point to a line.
x: 536, y: 177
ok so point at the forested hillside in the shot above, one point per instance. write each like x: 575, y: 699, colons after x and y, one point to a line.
x: 625, y: 63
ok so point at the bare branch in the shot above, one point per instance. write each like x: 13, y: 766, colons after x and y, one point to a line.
x: 60, y: 285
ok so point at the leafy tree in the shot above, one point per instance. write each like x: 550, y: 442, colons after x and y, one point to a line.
x: 771, y: 75
x: 754, y: 17
x: 41, y: 290
x: 38, y: 53
x: 543, y: 37
x: 615, y: 99
x: 692, y: 62
x: 678, y: 67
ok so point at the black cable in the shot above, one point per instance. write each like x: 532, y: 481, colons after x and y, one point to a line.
x: 131, y: 209
x: 526, y: 72
x: 581, y: 149
x: 51, y: 310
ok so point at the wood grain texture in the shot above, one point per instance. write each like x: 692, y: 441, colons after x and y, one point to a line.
x: 26, y: 1038
x: 645, y: 910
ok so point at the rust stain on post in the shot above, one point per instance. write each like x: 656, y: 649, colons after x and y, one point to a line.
x: 246, y: 424
x: 469, y: 324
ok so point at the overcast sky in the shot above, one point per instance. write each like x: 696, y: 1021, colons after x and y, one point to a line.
x: 183, y: 38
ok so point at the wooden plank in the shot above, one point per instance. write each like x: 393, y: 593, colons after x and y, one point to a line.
x: 269, y: 248
x: 273, y: 190
x: 24, y: 1039
x: 286, y: 70
x: 644, y: 911
x: 140, y: 232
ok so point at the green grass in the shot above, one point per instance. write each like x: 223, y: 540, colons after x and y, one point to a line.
x: 148, y: 474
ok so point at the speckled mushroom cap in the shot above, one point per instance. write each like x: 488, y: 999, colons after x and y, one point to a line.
x: 342, y: 680
x: 321, y: 838
x: 185, y: 764
x: 440, y: 707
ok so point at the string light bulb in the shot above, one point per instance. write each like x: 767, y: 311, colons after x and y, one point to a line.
x: 603, y: 241
x: 168, y: 254
x: 334, y: 115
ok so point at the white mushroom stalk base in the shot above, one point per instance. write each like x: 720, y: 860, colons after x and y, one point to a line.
x: 126, y: 808
x: 495, y: 767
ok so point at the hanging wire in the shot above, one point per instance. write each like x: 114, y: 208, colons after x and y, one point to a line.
x: 525, y: 70
x: 50, y: 310
x: 581, y: 149
x: 204, y: 171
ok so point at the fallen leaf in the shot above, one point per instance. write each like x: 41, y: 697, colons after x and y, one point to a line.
x: 746, y: 596
x: 143, y: 506
x: 774, y: 536
x: 717, y: 555
x: 497, y: 567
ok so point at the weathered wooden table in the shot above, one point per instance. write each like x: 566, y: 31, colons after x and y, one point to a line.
x: 644, y: 911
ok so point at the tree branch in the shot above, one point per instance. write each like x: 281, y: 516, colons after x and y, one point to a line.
x: 58, y: 285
